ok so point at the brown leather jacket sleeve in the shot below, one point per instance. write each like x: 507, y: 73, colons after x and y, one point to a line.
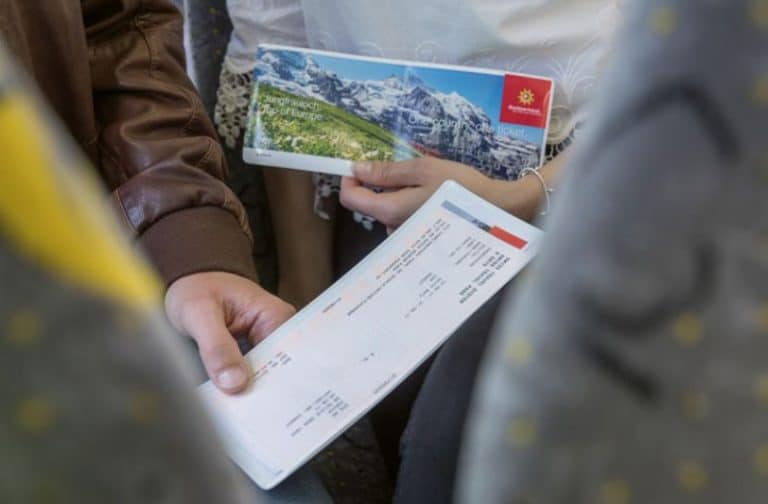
x: 157, y: 148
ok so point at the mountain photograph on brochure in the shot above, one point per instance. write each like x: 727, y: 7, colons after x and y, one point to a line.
x: 361, y: 109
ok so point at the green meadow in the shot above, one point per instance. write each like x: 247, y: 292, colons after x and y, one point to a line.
x: 309, y: 126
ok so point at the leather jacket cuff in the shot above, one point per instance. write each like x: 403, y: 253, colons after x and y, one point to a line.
x: 196, y: 240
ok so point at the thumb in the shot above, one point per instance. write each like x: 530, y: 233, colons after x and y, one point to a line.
x: 218, y: 349
x: 272, y: 315
x: 387, y: 174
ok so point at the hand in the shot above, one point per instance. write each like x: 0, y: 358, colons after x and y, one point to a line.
x: 409, y: 184
x: 212, y: 308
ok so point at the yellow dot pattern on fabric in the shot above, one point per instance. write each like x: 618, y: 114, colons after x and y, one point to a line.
x: 518, y: 352
x: 761, y: 318
x: 23, y: 328
x: 761, y: 460
x: 760, y: 389
x: 521, y: 432
x: 35, y: 415
x: 758, y: 13
x: 692, y: 477
x: 688, y: 330
x: 760, y: 91
x: 49, y: 492
x: 762, y: 246
x: 144, y: 407
x: 762, y: 168
x: 615, y: 492
x: 54, y: 215
x: 663, y: 20
x: 695, y: 405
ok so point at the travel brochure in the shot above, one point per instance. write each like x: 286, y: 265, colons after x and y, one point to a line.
x: 319, y: 111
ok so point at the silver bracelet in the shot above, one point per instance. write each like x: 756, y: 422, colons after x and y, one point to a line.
x: 544, y: 187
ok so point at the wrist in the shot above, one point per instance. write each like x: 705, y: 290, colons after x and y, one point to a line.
x: 520, y: 197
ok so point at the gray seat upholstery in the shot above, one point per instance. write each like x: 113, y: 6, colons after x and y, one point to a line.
x: 631, y: 365
x: 96, y: 395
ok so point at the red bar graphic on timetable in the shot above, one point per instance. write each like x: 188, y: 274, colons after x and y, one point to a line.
x: 507, y: 237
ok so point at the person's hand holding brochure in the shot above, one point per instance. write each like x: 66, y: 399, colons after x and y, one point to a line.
x: 332, y: 362
x: 402, y: 187
x: 320, y: 111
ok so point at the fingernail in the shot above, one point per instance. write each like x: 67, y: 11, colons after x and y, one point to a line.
x: 232, y: 377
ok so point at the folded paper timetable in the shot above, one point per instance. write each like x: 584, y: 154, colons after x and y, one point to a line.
x: 332, y: 362
x: 317, y: 111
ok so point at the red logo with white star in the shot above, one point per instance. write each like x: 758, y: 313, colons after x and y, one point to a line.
x: 525, y: 101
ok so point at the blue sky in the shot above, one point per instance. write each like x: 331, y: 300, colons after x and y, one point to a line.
x: 357, y: 69
x: 483, y: 90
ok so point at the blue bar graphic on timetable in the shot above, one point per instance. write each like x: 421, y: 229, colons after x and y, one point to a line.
x: 464, y: 215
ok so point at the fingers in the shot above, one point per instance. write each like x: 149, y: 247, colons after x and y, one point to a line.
x: 389, y: 174
x: 389, y: 208
x: 270, y: 315
x: 218, y: 349
x: 212, y: 307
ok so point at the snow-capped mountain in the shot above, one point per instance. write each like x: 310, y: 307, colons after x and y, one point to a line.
x: 444, y: 124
